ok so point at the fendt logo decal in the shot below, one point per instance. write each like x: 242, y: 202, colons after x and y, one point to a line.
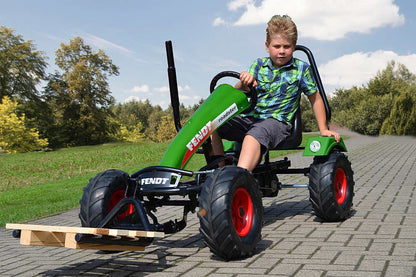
x: 200, y: 137
x: 204, y: 133
x: 225, y: 115
x: 154, y: 181
x: 196, y: 141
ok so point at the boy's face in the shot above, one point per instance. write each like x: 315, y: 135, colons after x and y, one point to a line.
x: 280, y: 50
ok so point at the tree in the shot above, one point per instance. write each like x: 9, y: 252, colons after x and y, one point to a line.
x: 402, y: 119
x: 134, y: 135
x: 385, y: 106
x: 154, y: 121
x: 166, y: 129
x: 80, y: 95
x: 15, y: 137
x: 21, y: 66
x: 392, y: 80
x: 133, y: 112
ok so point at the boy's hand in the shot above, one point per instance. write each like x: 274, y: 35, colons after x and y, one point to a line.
x: 247, y: 79
x: 329, y: 133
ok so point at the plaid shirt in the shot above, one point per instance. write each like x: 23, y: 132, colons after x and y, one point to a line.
x: 279, y: 89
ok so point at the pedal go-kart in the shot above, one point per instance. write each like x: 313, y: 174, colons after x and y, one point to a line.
x: 228, y: 199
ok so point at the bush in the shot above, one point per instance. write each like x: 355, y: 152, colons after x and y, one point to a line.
x: 15, y: 137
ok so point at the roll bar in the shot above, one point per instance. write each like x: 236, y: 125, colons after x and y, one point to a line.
x: 317, y: 78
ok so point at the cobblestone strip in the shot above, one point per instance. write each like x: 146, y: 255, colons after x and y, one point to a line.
x: 379, y: 239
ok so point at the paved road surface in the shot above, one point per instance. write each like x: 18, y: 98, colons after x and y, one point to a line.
x: 379, y: 239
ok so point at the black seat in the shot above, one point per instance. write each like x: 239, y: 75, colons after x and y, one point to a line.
x: 292, y: 142
x: 295, y: 139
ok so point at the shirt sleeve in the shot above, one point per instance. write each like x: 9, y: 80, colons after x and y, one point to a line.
x: 307, y: 82
x: 254, y: 68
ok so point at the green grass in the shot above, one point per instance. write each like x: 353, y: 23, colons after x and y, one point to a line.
x: 41, y: 183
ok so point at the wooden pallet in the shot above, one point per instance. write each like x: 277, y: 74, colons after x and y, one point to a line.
x: 63, y: 236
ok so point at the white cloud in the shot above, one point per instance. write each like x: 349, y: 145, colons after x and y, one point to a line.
x: 104, y: 44
x: 358, y: 68
x: 131, y: 99
x: 185, y: 88
x: 139, y: 89
x: 218, y: 21
x: 166, y: 89
x: 323, y: 19
x: 160, y: 95
x: 236, y: 4
x: 162, y: 89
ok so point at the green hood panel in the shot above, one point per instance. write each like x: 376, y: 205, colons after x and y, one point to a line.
x: 223, y: 104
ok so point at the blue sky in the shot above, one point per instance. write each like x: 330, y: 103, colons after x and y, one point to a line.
x: 351, y: 40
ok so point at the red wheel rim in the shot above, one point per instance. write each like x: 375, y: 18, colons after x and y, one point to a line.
x: 242, y: 212
x: 115, y: 198
x: 340, y: 186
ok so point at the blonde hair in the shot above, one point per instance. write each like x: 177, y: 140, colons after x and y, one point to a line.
x: 282, y: 25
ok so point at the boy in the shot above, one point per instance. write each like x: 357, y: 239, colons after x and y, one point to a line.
x: 279, y: 80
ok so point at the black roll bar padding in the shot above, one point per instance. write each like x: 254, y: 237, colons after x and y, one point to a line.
x: 173, y: 85
x: 252, y: 94
x: 317, y: 78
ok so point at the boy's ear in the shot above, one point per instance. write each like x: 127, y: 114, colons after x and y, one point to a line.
x: 267, y: 47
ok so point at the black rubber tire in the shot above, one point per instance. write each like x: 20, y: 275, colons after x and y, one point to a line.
x: 331, y: 187
x: 221, y: 190
x: 98, y: 195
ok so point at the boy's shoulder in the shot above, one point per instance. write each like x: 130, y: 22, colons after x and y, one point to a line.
x: 294, y: 62
x: 299, y: 63
x: 263, y: 61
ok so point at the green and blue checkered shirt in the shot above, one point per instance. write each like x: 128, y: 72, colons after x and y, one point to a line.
x: 279, y: 89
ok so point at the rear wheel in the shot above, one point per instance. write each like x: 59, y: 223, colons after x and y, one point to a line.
x: 231, y: 213
x: 101, y: 195
x: 331, y: 187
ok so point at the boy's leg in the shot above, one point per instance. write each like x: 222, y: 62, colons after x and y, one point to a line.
x: 250, y: 153
x: 233, y: 130
x: 217, y: 148
x: 263, y: 135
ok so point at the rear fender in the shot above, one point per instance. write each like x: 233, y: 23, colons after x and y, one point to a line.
x: 322, y: 146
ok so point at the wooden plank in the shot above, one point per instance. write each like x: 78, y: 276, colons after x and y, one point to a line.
x: 64, y: 236
x: 41, y: 238
x: 86, y: 230
x: 71, y: 243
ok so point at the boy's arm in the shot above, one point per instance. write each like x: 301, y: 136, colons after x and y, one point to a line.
x: 319, y: 111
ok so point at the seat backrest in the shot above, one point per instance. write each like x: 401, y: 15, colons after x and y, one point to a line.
x: 295, y: 139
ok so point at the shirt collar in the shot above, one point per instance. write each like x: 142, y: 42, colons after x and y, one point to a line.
x: 291, y: 63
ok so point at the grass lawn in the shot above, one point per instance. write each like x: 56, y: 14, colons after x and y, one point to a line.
x: 42, y: 183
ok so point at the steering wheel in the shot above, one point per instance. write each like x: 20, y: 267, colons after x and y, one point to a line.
x: 252, y: 94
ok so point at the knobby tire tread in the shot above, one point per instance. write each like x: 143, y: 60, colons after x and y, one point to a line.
x: 321, y: 187
x: 95, y: 200
x: 216, y: 225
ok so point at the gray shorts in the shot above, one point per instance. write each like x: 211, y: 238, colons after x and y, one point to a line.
x: 268, y: 132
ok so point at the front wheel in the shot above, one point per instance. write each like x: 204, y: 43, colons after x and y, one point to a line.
x: 101, y: 195
x: 331, y: 187
x: 231, y: 213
